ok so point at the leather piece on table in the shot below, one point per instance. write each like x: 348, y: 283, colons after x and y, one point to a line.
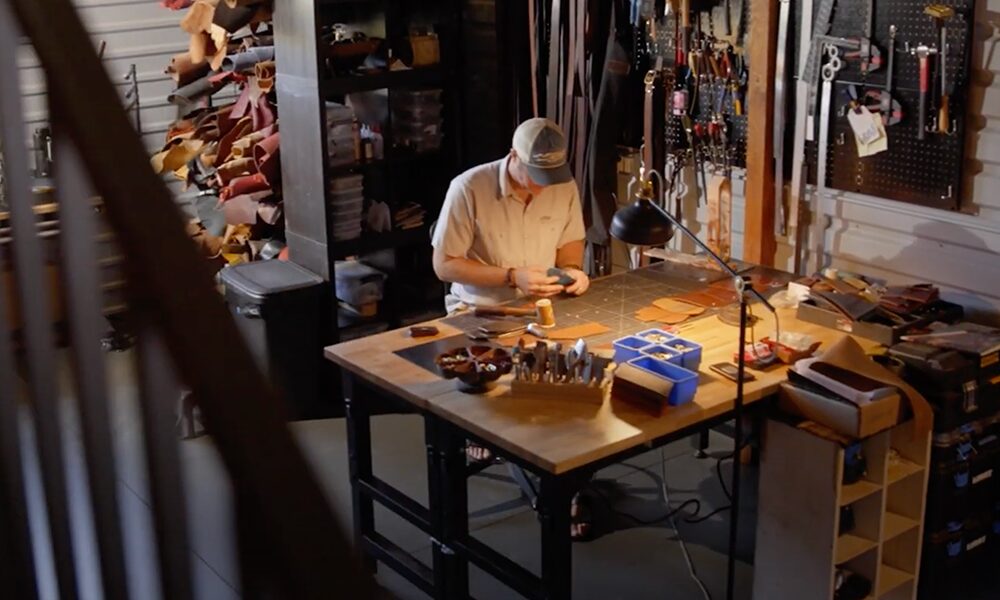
x: 710, y: 297
x: 183, y: 70
x: 235, y: 3
x: 267, y: 157
x: 175, y: 155
x: 248, y: 59
x: 905, y: 300
x: 847, y: 354
x: 578, y: 331
x: 656, y: 314
x: 851, y: 306
x: 678, y: 306
x: 240, y: 167
x: 244, y: 185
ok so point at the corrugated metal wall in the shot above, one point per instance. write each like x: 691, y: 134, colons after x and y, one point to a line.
x: 139, y: 32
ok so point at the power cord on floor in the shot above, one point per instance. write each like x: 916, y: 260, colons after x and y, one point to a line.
x: 677, y: 532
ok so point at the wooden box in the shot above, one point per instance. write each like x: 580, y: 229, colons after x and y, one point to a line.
x: 854, y: 420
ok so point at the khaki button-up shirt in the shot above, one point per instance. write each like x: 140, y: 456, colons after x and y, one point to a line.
x: 482, y: 220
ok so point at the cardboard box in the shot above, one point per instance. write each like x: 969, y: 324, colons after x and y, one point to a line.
x: 855, y: 420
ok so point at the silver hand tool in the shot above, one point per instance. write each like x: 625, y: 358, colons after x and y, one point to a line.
x: 536, y: 330
x: 541, y: 358
x: 553, y: 363
x: 571, y: 357
x: 588, y: 368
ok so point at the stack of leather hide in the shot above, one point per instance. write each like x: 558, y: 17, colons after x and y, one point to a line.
x: 230, y: 151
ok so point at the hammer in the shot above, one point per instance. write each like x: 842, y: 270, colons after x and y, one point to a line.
x: 923, y: 53
x: 940, y: 13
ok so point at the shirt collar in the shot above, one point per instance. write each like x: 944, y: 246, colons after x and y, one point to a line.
x: 505, y: 187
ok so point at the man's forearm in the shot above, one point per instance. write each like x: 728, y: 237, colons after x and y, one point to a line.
x: 570, y: 255
x: 470, y: 272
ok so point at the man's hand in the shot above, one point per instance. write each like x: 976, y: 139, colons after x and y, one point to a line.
x: 581, y: 283
x: 534, y: 281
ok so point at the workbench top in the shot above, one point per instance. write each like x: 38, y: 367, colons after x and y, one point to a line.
x: 558, y: 435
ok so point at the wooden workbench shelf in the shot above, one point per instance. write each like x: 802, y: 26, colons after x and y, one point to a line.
x: 801, y: 499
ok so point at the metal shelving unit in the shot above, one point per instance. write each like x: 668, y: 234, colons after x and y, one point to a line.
x: 304, y: 85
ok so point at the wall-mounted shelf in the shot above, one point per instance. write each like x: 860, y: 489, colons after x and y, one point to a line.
x: 802, y: 495
x: 410, y: 78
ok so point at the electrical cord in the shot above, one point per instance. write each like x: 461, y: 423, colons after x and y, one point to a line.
x: 673, y: 524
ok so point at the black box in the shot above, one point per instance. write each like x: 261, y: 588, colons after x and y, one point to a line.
x: 278, y: 306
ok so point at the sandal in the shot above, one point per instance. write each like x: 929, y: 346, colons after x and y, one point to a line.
x: 477, y: 454
x: 581, y: 527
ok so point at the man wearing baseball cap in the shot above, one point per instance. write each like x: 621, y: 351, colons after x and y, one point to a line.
x: 505, y: 223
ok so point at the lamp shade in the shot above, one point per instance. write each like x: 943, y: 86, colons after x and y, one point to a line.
x: 642, y: 224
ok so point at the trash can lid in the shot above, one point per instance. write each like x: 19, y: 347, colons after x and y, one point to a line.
x: 268, y: 277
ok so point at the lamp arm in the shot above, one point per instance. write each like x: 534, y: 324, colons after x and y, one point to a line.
x: 716, y: 258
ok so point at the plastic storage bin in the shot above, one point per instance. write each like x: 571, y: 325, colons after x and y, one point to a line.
x: 656, y: 336
x: 690, y: 352
x: 685, y: 383
x: 357, y: 283
x: 628, y: 348
x: 658, y: 352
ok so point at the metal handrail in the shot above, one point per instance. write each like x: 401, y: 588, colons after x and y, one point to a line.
x: 289, y: 540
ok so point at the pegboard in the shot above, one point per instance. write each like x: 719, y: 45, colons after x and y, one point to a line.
x: 710, y: 92
x: 928, y: 171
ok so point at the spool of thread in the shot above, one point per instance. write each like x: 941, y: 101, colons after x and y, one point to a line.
x: 545, y: 313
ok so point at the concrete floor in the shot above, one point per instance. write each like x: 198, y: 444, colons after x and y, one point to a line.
x: 626, y: 561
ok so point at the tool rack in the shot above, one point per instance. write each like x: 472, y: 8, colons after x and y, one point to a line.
x: 926, y: 172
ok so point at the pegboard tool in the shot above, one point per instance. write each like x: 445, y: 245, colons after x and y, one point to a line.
x: 833, y: 65
x: 923, y: 54
x: 940, y: 13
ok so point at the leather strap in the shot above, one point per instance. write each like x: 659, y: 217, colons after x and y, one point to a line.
x: 533, y: 53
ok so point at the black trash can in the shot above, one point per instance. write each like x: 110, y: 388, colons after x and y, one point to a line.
x: 279, y: 308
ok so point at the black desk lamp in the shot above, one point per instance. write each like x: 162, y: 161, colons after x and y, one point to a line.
x: 646, y: 223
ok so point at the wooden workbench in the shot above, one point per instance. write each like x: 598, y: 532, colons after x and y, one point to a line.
x: 560, y: 441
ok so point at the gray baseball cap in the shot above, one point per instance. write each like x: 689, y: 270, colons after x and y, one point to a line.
x: 541, y: 146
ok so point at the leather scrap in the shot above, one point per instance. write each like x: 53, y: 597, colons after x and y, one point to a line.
x: 678, y: 306
x: 578, y: 331
x: 650, y: 314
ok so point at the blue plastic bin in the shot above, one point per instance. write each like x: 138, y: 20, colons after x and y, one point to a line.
x: 685, y: 382
x: 659, y: 332
x: 628, y: 348
x: 674, y: 356
x: 690, y: 358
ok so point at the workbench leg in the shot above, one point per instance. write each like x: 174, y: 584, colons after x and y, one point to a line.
x: 448, y: 506
x: 359, y: 453
x: 557, y: 545
x: 702, y: 444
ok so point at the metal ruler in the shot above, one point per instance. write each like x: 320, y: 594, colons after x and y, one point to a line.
x: 810, y: 72
x: 830, y: 69
x: 780, y: 112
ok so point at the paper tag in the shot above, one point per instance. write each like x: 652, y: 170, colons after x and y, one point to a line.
x: 869, y: 132
x: 975, y: 543
x: 865, y: 130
